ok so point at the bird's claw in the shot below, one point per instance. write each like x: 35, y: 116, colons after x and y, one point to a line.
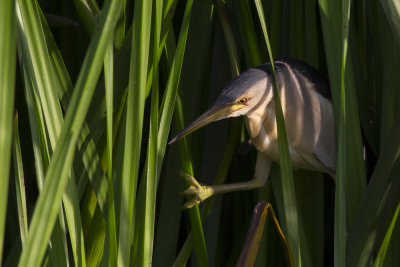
x: 196, y: 191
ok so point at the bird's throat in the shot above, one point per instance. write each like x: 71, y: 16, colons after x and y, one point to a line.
x: 261, y: 126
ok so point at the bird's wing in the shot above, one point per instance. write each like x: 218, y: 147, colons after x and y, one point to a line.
x: 326, y: 146
x: 320, y: 82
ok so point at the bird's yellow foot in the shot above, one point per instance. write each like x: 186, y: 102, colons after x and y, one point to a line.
x: 196, y: 191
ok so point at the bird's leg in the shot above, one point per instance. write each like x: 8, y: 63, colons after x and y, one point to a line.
x: 200, y: 192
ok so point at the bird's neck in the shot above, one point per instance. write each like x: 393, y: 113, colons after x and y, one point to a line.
x: 261, y: 126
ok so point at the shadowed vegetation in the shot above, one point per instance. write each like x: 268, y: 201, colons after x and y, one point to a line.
x: 90, y: 92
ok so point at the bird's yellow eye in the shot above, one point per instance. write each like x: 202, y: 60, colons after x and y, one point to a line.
x: 243, y: 100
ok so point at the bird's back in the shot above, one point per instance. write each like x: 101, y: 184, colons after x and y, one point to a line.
x: 320, y: 82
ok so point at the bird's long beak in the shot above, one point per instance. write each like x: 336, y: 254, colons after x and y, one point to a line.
x: 215, y: 113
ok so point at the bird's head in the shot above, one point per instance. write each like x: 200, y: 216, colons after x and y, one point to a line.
x: 242, y: 95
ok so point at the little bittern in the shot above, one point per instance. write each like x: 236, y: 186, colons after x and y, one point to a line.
x: 308, y: 115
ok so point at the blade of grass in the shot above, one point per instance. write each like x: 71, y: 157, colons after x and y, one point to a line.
x: 392, y: 10
x: 20, y: 183
x: 214, y: 158
x: 229, y: 39
x: 296, y: 30
x: 309, y: 193
x: 169, y: 216
x: 388, y: 57
x: 109, y: 80
x: 88, y: 11
x: 361, y: 56
x: 120, y: 29
x: 296, y: 239
x: 95, y: 118
x: 331, y: 14
x: 380, y: 259
x: 96, y: 238
x: 184, y: 253
x: 301, y: 30
x: 12, y: 257
x: 7, y: 81
x: 73, y: 217
x: 86, y: 145
x: 167, y: 111
x: 275, y: 25
x: 39, y: 145
x: 37, y: 58
x: 134, y: 124
x: 186, y: 249
x: 151, y: 177
x: 340, y: 227
x: 247, y: 31
x: 367, y: 233
x: 50, y: 199
x: 58, y: 243
x: 194, y: 214
x: 311, y: 33
x: 167, y: 237
x: 199, y: 40
x: 233, y: 137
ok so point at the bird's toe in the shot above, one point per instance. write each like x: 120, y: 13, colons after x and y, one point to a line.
x: 196, y: 192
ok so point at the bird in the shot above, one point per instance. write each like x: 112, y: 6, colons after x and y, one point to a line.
x: 308, y: 114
